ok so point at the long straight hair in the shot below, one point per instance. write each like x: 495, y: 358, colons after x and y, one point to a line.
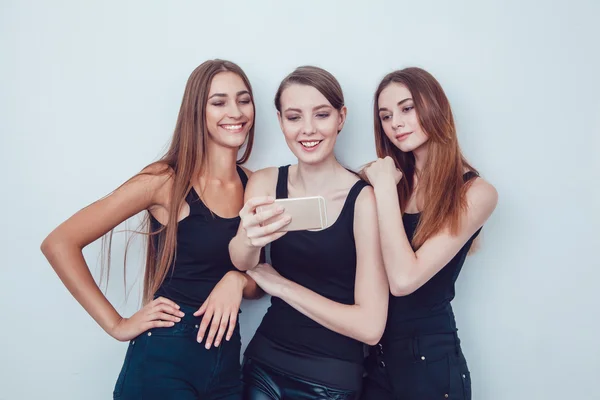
x: 441, y: 185
x: 184, y: 160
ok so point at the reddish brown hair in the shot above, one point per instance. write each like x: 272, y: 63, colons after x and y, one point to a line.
x: 184, y: 160
x: 442, y: 191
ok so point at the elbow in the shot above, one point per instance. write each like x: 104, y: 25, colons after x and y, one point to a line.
x: 373, y: 338
x: 55, y: 245
x: 48, y: 246
x: 402, y: 287
x: 239, y: 263
x: 373, y: 335
x: 373, y: 329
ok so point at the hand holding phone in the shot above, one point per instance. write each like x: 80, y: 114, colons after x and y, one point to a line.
x: 307, y: 213
x: 258, y: 234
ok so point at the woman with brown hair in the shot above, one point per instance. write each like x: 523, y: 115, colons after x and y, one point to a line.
x: 431, y: 206
x: 328, y: 287
x: 192, y: 198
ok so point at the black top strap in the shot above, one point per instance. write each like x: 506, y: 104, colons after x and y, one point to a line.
x: 243, y: 176
x: 281, y: 192
x: 467, y: 176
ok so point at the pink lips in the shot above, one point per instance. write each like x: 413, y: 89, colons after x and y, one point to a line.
x: 402, y: 136
x: 230, y: 130
x: 313, y: 148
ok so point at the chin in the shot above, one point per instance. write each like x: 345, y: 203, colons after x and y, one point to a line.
x: 234, y: 141
x: 407, y: 147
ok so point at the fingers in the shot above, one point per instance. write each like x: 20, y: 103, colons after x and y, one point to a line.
x: 162, y: 300
x: 164, y: 317
x: 208, y: 315
x: 261, y: 232
x: 260, y: 217
x: 222, y: 329
x: 158, y: 324
x: 265, y: 240
x: 214, y: 327
x: 167, y: 308
x: 252, y: 274
x: 232, y: 324
x: 254, y: 202
x: 202, y: 309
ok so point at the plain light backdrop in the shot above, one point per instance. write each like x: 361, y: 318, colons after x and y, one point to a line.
x: 90, y: 92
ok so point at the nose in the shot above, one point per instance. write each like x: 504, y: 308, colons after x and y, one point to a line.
x: 234, y: 111
x: 309, y: 128
x: 397, y: 121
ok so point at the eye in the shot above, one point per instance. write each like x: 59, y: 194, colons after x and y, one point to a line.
x: 293, y: 118
x: 385, y: 117
x: 217, y: 103
x: 245, y: 101
x: 407, y: 108
x: 322, y: 115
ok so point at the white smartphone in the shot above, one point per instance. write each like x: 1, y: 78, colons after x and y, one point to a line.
x: 307, y: 213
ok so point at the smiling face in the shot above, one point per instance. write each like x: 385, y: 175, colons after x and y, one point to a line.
x: 229, y: 110
x: 399, y: 118
x: 309, y: 123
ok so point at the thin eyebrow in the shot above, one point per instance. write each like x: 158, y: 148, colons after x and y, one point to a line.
x: 399, y: 104
x: 314, y: 108
x: 241, y: 92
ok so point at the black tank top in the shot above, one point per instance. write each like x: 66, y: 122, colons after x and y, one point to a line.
x: 202, y: 256
x: 325, y: 262
x: 428, y: 309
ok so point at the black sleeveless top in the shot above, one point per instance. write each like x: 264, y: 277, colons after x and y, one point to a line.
x: 428, y: 309
x: 202, y: 256
x: 325, y: 262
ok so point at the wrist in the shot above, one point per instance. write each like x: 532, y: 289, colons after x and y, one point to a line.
x: 111, y: 329
x: 239, y: 277
x: 385, y: 184
x: 284, y: 289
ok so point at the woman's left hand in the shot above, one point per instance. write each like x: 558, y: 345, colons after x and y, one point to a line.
x: 268, y: 279
x: 221, y: 307
x: 383, y: 170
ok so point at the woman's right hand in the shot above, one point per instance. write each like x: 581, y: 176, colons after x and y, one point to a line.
x: 159, y: 313
x: 256, y: 234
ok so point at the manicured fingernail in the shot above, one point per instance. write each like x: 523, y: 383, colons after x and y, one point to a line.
x: 207, y: 347
x: 181, y: 314
x: 172, y: 323
x: 216, y: 344
x: 178, y: 319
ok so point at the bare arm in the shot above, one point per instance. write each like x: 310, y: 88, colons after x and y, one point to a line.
x: 251, y: 289
x: 251, y: 237
x: 365, y: 319
x: 63, y: 247
x: 408, y: 270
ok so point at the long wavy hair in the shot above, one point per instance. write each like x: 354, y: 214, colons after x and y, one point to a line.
x: 184, y: 159
x: 441, y: 185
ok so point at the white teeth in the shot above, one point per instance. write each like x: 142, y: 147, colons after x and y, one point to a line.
x: 309, y: 144
x: 232, y: 127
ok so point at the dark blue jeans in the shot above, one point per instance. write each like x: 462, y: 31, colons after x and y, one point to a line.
x: 425, y: 367
x: 168, y: 363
